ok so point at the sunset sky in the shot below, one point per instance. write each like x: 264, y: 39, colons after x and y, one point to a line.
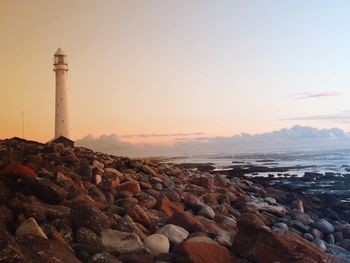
x: 153, y: 71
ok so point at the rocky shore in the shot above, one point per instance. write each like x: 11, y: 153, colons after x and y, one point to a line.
x: 64, y: 204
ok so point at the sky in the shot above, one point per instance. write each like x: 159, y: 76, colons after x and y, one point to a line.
x: 160, y: 71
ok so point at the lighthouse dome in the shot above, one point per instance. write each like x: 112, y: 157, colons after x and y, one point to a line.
x: 59, y: 52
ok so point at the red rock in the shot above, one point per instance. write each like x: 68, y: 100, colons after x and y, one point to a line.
x: 133, y: 187
x: 83, y: 199
x: 18, y: 169
x: 205, y: 182
x: 168, y: 207
x: 185, y: 220
x: 138, y: 215
x: 257, y: 243
x: 145, y: 186
x: 146, y: 200
x: 149, y: 170
x: 201, y: 252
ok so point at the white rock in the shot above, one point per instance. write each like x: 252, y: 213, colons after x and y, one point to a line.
x: 121, y: 242
x: 208, y: 212
x: 203, y: 239
x: 114, y: 171
x: 156, y: 244
x: 30, y: 227
x: 175, y: 234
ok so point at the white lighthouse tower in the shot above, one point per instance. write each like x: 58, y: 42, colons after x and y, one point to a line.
x: 62, y: 121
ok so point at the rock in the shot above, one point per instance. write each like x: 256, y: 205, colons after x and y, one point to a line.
x: 138, y: 215
x: 208, y: 212
x: 258, y: 243
x: 185, y: 220
x: 86, y: 236
x: 121, y: 242
x: 157, y: 244
x: 204, y: 182
x: 330, y: 239
x: 18, y: 170
x: 175, y: 234
x: 281, y: 226
x: 5, y: 193
x: 105, y: 257
x: 132, y: 187
x: 10, y: 250
x: 6, y: 216
x: 300, y: 227
x: 30, y: 227
x: 90, y: 217
x: 241, y: 201
x: 168, y: 207
x: 137, y: 258
x: 324, y: 226
x: 201, y: 252
x: 297, y: 205
x: 308, y: 236
x: 320, y: 244
x: 37, y: 249
x: 270, y: 200
x: 97, y: 164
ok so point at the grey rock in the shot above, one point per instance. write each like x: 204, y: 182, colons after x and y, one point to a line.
x: 175, y: 234
x: 121, y: 242
x: 320, y: 244
x: 157, y: 244
x: 324, y: 226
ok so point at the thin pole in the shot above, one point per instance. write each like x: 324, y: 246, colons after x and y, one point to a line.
x: 22, y: 124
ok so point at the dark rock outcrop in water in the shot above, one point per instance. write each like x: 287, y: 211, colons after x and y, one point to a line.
x: 62, y: 204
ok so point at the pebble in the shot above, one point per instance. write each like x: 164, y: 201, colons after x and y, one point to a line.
x: 157, y: 244
x: 175, y: 234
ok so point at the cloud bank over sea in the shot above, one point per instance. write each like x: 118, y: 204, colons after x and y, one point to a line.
x: 294, y: 138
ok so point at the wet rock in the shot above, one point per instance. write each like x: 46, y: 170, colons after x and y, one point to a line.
x: 320, y: 244
x: 90, y: 217
x: 281, y: 226
x: 30, y: 227
x: 324, y: 226
x: 175, y: 234
x: 330, y: 239
x: 157, y: 244
x: 121, y: 242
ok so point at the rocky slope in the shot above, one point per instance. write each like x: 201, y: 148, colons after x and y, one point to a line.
x: 61, y: 204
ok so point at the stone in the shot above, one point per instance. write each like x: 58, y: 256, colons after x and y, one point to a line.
x: 86, y: 236
x: 105, y: 257
x: 297, y: 205
x: 300, y: 227
x: 241, y: 201
x: 308, y: 236
x: 90, y: 217
x: 121, y: 242
x: 168, y: 207
x: 205, y: 182
x: 320, y: 244
x: 281, y: 226
x: 157, y: 244
x: 208, y: 212
x: 30, y: 227
x: 10, y: 250
x: 324, y: 226
x: 201, y: 252
x: 185, y: 220
x: 270, y: 200
x: 259, y: 244
x: 97, y: 164
x: 330, y: 239
x: 175, y: 234
x: 18, y: 170
x: 37, y: 249
x: 138, y: 215
x: 133, y: 187
x: 6, y: 216
x: 137, y: 258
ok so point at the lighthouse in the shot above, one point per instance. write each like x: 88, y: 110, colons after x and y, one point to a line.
x: 62, y: 121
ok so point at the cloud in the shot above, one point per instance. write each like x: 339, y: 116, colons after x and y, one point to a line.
x: 343, y: 116
x: 161, y: 135
x: 296, y: 137
x: 312, y: 95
